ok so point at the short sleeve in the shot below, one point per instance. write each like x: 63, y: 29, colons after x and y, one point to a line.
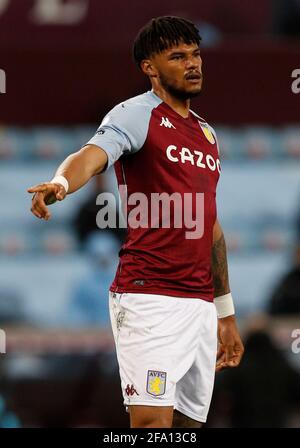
x: 123, y: 130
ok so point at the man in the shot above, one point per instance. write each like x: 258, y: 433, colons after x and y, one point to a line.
x: 161, y: 301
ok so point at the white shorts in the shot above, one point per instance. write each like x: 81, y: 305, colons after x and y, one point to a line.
x: 166, y: 349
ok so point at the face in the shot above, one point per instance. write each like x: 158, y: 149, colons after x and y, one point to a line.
x: 179, y: 70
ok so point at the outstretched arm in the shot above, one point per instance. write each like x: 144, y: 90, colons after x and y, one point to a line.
x: 77, y: 169
x: 231, y: 348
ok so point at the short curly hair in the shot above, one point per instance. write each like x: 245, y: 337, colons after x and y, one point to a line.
x: 162, y: 33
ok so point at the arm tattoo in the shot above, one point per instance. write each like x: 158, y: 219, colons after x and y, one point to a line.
x: 220, y: 268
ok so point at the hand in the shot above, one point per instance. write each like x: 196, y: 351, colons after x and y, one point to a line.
x: 231, y: 348
x: 45, y: 194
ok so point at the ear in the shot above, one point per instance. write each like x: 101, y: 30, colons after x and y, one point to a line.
x: 149, y: 68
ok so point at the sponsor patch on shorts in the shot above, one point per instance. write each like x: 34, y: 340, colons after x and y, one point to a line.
x: 156, y: 382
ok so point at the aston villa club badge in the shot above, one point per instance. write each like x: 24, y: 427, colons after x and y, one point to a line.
x: 207, y: 132
x: 156, y: 382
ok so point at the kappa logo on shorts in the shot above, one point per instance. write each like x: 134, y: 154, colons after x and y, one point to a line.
x: 156, y: 382
x: 130, y: 390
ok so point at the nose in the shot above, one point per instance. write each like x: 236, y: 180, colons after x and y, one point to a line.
x: 193, y: 62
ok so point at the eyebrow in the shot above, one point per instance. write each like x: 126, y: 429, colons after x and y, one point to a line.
x: 180, y: 53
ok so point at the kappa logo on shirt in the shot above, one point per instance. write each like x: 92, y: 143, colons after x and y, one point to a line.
x: 166, y: 122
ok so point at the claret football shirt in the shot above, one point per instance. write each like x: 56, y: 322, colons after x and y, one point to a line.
x: 170, y: 168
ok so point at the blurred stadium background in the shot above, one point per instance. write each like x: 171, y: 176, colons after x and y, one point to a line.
x: 67, y: 63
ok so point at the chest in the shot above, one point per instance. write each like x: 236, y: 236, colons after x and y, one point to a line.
x: 181, y: 153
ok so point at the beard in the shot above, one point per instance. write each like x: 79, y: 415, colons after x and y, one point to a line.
x: 177, y: 92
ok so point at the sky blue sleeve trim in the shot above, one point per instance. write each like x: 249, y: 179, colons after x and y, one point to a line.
x: 124, y: 129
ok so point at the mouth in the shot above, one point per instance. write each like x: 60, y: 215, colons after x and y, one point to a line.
x: 193, y: 76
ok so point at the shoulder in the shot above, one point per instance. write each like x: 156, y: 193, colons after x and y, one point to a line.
x: 129, y: 120
x: 137, y: 108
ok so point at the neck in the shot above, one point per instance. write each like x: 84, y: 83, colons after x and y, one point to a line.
x: 180, y: 106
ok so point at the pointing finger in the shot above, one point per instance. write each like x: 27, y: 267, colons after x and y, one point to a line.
x: 37, y: 189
